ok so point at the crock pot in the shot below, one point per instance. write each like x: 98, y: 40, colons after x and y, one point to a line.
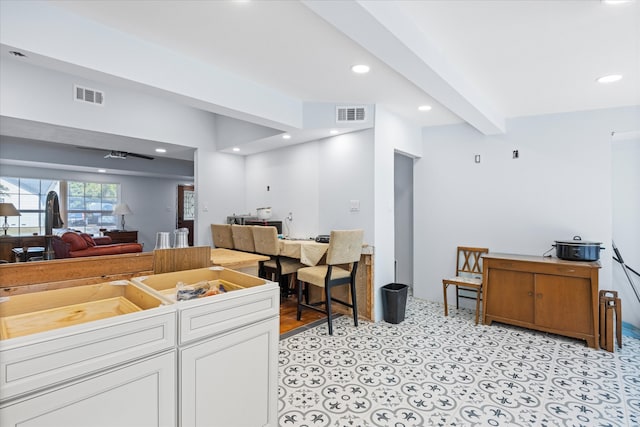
x: 264, y: 213
x: 578, y: 249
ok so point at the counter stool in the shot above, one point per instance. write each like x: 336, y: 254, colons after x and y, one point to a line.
x: 345, y: 247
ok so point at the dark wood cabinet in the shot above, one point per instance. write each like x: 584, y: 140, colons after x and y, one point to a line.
x: 7, y: 243
x: 118, y: 236
x: 546, y: 294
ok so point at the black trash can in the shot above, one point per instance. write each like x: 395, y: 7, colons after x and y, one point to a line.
x: 394, y: 302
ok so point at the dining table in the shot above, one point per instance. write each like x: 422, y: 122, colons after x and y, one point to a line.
x: 308, y: 251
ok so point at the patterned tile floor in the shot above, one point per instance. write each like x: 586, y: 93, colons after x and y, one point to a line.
x: 445, y: 371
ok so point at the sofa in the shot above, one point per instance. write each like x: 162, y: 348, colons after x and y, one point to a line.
x: 73, y: 244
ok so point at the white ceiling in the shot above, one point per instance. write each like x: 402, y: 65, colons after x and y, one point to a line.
x: 475, y: 61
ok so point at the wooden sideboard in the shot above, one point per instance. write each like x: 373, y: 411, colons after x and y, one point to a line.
x: 119, y: 236
x: 542, y: 293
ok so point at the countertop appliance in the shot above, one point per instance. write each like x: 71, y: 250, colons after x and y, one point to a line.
x: 241, y: 219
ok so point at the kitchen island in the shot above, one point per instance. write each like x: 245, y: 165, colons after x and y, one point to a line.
x: 141, y: 358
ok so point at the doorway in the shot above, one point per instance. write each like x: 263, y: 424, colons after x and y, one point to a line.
x: 186, y: 209
x: 403, y: 222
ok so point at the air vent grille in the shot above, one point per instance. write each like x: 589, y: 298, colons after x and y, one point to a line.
x: 92, y: 96
x: 351, y: 114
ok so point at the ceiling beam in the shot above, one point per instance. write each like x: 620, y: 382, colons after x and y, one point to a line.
x: 386, y: 32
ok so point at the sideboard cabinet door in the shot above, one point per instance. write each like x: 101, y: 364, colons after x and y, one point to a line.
x: 138, y: 394
x: 232, y: 379
x: 511, y: 295
x: 556, y: 299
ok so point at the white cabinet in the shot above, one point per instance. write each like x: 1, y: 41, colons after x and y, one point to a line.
x: 207, y: 362
x: 231, y: 380
x: 137, y: 394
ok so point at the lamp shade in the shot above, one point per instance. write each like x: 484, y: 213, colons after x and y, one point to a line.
x: 122, y: 209
x: 7, y: 209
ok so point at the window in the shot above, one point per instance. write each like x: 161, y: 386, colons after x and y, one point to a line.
x: 90, y: 205
x: 29, y: 196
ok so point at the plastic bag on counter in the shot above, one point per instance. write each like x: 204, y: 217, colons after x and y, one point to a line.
x: 185, y: 292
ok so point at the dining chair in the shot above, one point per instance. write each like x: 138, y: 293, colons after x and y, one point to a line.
x: 343, y: 254
x: 468, y: 277
x: 280, y: 268
x: 221, y: 236
x: 243, y: 238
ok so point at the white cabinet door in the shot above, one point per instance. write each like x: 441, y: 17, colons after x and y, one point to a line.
x: 138, y: 394
x: 232, y: 380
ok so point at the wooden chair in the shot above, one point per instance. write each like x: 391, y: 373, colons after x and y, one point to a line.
x: 468, y: 277
x: 221, y: 236
x: 280, y: 268
x: 243, y: 238
x: 345, y: 247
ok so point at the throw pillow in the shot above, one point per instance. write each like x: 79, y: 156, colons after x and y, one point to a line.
x: 76, y: 241
x: 90, y: 242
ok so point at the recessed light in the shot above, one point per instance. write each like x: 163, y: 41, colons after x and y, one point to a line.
x: 333, y: 131
x: 614, y: 2
x: 360, y: 69
x: 425, y: 108
x: 236, y: 149
x: 609, y: 79
x: 102, y: 170
x: 286, y: 136
x: 160, y: 150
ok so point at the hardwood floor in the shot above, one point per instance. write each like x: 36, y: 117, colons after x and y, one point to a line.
x: 288, y: 320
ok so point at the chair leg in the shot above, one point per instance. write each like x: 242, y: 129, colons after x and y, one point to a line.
x: 457, y: 298
x: 299, y: 313
x: 354, y: 303
x: 444, y: 291
x: 327, y: 293
x: 477, y: 305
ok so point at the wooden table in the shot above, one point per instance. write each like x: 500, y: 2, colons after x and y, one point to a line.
x: 309, y: 252
x: 19, y: 254
x: 543, y: 293
x: 237, y: 260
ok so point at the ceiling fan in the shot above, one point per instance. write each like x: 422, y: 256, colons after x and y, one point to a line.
x: 113, y: 154
x: 116, y: 154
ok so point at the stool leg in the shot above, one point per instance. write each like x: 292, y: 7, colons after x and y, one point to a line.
x: 354, y: 303
x: 327, y: 293
x: 299, y: 313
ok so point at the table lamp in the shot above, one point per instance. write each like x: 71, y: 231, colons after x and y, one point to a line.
x: 122, y: 209
x: 7, y: 209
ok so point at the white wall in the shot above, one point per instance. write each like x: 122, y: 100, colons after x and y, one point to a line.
x: 152, y: 200
x: 292, y: 176
x: 345, y: 174
x: 316, y: 182
x: 219, y: 189
x: 626, y: 223
x: 43, y: 95
x: 559, y: 187
x: 391, y: 134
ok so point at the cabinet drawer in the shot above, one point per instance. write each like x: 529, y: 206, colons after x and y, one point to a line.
x: 41, y: 360
x: 214, y: 315
x: 140, y: 394
x: 560, y: 269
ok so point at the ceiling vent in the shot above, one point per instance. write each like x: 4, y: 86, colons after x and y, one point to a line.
x: 350, y: 114
x: 91, y: 96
